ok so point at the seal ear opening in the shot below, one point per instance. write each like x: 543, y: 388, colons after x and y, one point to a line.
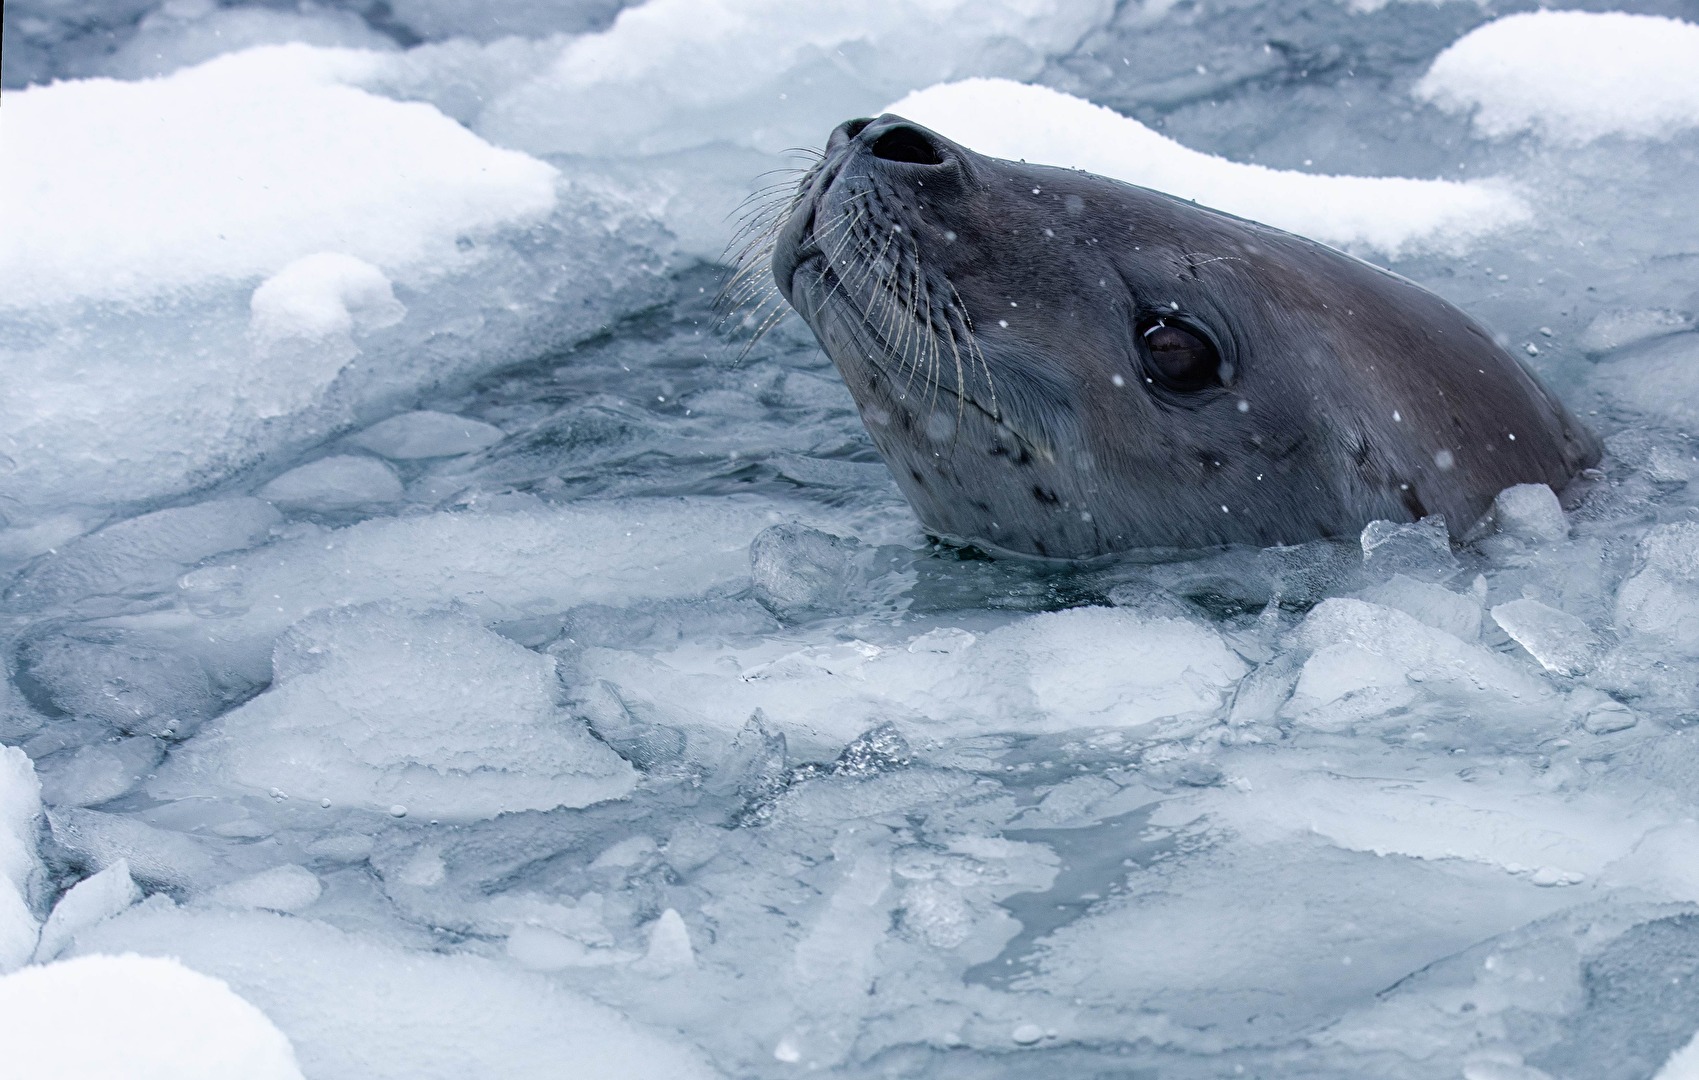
x: 1181, y: 357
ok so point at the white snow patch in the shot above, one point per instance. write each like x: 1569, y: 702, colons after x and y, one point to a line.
x: 234, y: 169
x: 1572, y: 76
x: 20, y: 867
x: 357, y: 1008
x: 135, y: 1018
x: 1006, y: 119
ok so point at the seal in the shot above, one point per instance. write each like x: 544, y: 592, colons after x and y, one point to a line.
x: 1058, y: 364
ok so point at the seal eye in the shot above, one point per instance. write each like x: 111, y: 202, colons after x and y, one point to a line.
x: 1179, y: 358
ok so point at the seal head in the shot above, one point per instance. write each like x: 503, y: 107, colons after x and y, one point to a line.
x: 1059, y: 364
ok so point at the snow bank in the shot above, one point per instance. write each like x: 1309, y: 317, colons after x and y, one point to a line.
x: 232, y: 170
x: 1572, y: 76
x: 20, y: 868
x: 135, y: 1018
x: 433, y: 715
x: 359, y: 1009
x: 200, y: 269
x: 1034, y: 123
x: 767, y: 74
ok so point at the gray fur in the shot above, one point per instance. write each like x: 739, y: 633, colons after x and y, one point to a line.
x: 1349, y: 394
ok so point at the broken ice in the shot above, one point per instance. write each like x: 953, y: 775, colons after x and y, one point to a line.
x: 430, y: 650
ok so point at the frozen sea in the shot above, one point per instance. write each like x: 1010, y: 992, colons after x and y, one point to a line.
x: 438, y: 641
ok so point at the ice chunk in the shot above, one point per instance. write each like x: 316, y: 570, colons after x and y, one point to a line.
x: 287, y: 888
x: 1660, y: 600
x: 176, y: 35
x: 754, y: 768
x: 1034, y: 123
x: 271, y: 147
x: 97, y: 897
x: 1656, y: 378
x: 1571, y: 76
x: 672, y: 74
x: 872, y: 752
x: 1458, y: 614
x: 1606, y: 717
x: 637, y: 736
x: 1266, y: 952
x: 1621, y: 328
x: 142, y: 1017
x: 302, y: 324
x: 498, y: 565
x: 410, y: 436
x: 91, y: 775
x: 1664, y: 862
x: 1561, y: 643
x: 1641, y: 1003
x: 141, y: 554
x: 95, y: 841
x: 1530, y: 512
x: 341, y: 482
x: 1343, y: 683
x: 1058, y: 671
x: 797, y: 571
x: 669, y: 946
x: 359, y: 1009
x: 489, y: 20
x: 1420, y: 550
x: 1369, y: 659
x: 131, y: 681
x: 20, y: 868
x: 375, y: 708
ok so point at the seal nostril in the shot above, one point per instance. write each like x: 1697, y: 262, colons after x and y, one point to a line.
x: 908, y: 144
x: 852, y: 128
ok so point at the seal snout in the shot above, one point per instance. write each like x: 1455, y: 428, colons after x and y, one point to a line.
x: 893, y: 138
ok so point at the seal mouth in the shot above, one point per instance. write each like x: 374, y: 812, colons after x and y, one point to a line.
x: 851, y: 255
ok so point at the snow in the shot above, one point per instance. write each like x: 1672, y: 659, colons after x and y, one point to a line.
x: 416, y: 615
x: 1007, y: 119
x: 362, y: 1008
x: 20, y: 867
x: 198, y: 269
x: 131, y: 1017
x: 1571, y: 76
x: 128, y: 190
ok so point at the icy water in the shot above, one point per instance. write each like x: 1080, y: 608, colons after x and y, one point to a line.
x: 556, y: 684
